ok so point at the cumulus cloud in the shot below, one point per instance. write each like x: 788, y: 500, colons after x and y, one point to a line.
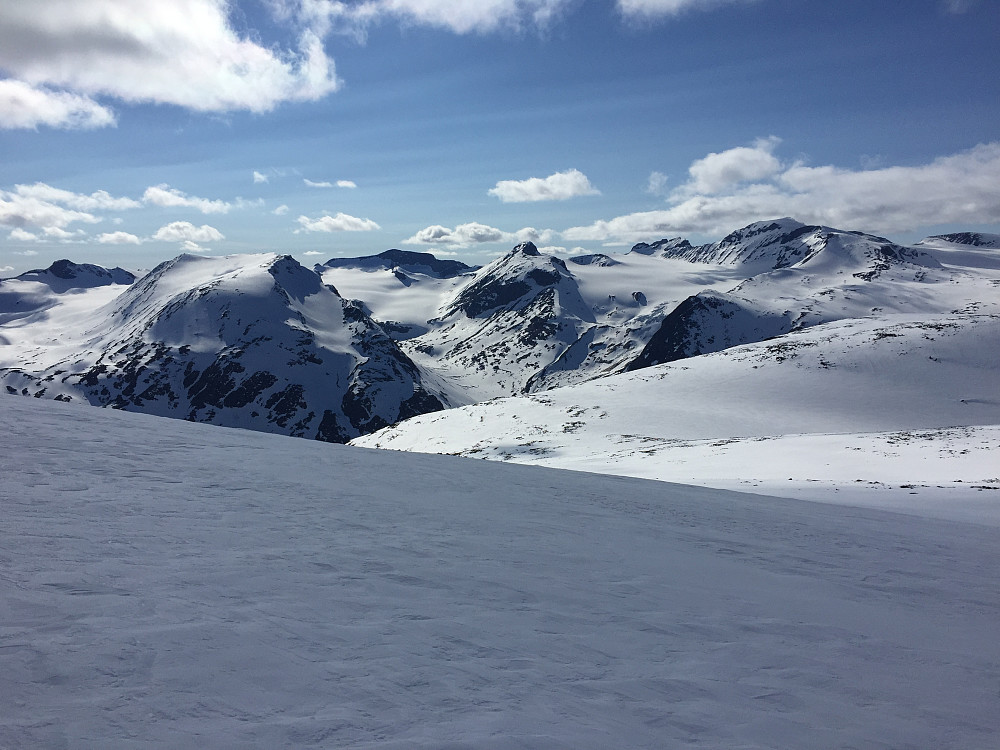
x: 183, y: 52
x: 118, y: 238
x: 41, y: 206
x: 955, y: 189
x: 23, y: 106
x: 185, y: 231
x: 718, y: 172
x: 310, y: 183
x: 556, y: 187
x: 648, y: 8
x: 474, y: 233
x: 258, y: 177
x: 280, y: 210
x: 349, y: 184
x: 340, y: 223
x: 22, y: 235
x: 168, y: 197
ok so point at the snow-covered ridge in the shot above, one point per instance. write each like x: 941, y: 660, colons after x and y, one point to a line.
x: 412, y: 333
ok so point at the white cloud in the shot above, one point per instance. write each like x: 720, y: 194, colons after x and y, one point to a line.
x: 459, y: 16
x: 185, y: 231
x: 193, y: 247
x: 27, y: 253
x: 718, y: 172
x: 57, y: 233
x: 21, y: 208
x: 474, y: 233
x: 259, y: 178
x: 183, y: 52
x: 956, y: 189
x: 280, y: 210
x: 648, y: 8
x: 340, y: 223
x: 118, y: 238
x: 312, y: 253
x: 5, y: 269
x: 310, y: 183
x: 97, y: 201
x: 349, y: 184
x: 556, y: 187
x: 20, y: 235
x: 168, y: 197
x: 27, y: 107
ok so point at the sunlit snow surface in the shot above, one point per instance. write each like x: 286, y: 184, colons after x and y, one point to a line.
x: 166, y: 584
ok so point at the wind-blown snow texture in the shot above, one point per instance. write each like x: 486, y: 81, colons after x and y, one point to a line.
x: 168, y: 584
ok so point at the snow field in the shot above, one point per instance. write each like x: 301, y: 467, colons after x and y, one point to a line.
x: 167, y: 584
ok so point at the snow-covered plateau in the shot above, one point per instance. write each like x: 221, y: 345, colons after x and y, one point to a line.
x: 764, y: 510
x: 167, y: 584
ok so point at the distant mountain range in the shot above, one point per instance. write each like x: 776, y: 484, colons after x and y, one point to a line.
x: 357, y: 344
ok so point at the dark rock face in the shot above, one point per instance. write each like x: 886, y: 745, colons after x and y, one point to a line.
x: 973, y: 239
x: 403, y: 260
x: 706, y: 323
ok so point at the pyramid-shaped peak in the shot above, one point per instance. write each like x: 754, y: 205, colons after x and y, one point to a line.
x: 527, y: 248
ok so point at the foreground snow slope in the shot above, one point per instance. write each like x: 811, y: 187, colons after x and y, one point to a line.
x: 168, y: 584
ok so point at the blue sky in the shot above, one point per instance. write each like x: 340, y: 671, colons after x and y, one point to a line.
x: 130, y: 132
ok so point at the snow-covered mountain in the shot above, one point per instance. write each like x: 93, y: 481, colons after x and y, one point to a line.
x: 529, y: 322
x: 799, y: 276
x: 242, y: 341
x: 370, y: 341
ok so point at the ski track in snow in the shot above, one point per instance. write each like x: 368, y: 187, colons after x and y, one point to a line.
x: 166, y: 584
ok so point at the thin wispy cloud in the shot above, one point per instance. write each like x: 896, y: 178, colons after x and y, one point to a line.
x: 168, y: 197
x: 736, y: 187
x: 471, y: 16
x: 340, y: 223
x: 349, y: 184
x: 312, y: 184
x: 656, y: 184
x: 186, y: 54
x: 556, y: 187
x: 259, y: 178
x: 650, y: 8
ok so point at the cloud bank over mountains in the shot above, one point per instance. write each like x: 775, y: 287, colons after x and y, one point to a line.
x: 743, y: 184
